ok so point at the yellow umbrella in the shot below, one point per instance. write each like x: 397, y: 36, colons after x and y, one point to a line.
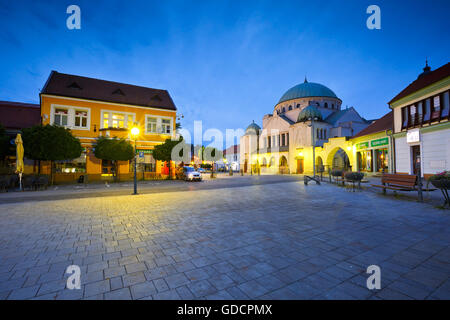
x: 19, y: 157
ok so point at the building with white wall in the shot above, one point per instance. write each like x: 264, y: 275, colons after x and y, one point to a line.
x: 421, y: 123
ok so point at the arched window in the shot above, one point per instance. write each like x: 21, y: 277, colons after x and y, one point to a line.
x: 290, y: 108
x: 298, y: 105
x: 332, y: 106
x: 284, y: 109
x: 326, y: 105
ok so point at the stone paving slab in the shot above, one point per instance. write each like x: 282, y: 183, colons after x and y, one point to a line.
x: 279, y: 240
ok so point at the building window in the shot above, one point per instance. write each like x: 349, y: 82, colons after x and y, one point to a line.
x: 298, y: 105
x: 61, y: 116
x: 111, y: 119
x: 324, y: 133
x: 81, y: 118
x: 166, y: 128
x: 427, y: 113
x: 118, y: 120
x: 283, y: 140
x: 290, y: 108
x: 325, y: 105
x: 404, y: 117
x: 436, y: 107
x: 287, y: 139
x: 412, y: 113
x: 151, y: 125
x: 284, y: 109
x: 446, y: 104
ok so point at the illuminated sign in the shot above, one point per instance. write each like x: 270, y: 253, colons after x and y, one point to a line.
x: 413, y: 136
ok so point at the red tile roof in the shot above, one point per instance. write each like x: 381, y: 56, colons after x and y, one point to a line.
x: 231, y: 150
x: 73, y: 86
x: 17, y: 115
x: 423, y: 81
x: 382, y: 124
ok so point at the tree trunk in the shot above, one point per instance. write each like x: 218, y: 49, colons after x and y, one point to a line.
x: 116, y: 171
x: 51, y: 172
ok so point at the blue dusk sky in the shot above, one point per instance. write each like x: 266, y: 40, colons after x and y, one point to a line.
x: 225, y: 62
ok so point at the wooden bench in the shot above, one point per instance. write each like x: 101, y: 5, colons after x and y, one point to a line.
x: 400, y: 182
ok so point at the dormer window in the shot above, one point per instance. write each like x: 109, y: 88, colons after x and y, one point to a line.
x: 118, y: 91
x: 74, y: 85
x: 156, y: 98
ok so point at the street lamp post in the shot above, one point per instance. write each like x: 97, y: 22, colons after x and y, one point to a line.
x: 312, y: 119
x: 135, y: 133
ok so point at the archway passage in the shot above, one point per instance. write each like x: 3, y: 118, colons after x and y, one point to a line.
x: 341, y: 160
x: 284, y: 165
x: 319, y: 164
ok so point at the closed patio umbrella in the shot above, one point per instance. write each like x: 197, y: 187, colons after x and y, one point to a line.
x: 19, y: 157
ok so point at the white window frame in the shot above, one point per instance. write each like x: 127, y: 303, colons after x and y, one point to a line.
x: 71, y: 116
x: 159, y: 125
x: 111, y: 112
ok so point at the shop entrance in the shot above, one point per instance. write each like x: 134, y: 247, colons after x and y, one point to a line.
x: 415, y: 159
x: 382, y: 160
x: 300, y: 166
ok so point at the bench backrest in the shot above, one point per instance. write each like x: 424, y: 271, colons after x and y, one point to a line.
x: 406, y: 180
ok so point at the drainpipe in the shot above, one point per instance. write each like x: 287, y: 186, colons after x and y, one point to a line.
x: 391, y: 152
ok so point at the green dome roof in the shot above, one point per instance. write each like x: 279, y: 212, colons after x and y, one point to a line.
x: 253, y: 128
x: 307, y: 89
x: 308, y: 113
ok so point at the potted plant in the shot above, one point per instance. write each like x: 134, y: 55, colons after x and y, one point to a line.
x: 440, y: 180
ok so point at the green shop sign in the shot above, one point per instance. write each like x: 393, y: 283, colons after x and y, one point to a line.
x: 379, y: 142
x: 145, y: 151
x: 362, y: 145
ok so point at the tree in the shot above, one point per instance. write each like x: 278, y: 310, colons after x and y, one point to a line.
x: 50, y: 143
x: 5, y: 146
x: 163, y: 152
x: 114, y: 149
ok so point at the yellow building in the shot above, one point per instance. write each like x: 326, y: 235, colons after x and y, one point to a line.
x: 92, y: 108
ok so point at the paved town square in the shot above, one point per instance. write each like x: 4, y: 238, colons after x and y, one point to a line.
x: 278, y: 240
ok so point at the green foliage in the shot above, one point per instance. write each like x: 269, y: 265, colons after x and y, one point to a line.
x: 50, y: 142
x: 5, y: 146
x: 163, y: 152
x: 113, y: 149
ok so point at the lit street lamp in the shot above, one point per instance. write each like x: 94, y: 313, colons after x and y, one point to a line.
x: 134, y: 134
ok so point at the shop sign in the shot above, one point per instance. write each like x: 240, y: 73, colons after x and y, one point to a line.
x: 362, y: 145
x: 413, y: 136
x: 144, y: 151
x: 379, y: 142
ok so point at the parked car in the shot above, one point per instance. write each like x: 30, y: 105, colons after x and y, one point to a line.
x: 201, y: 170
x: 190, y: 174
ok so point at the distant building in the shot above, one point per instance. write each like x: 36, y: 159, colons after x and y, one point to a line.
x: 232, y: 156
x: 285, y: 142
x: 15, y: 116
x: 421, y: 123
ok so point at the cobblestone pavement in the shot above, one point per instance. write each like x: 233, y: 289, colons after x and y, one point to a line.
x: 267, y: 241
